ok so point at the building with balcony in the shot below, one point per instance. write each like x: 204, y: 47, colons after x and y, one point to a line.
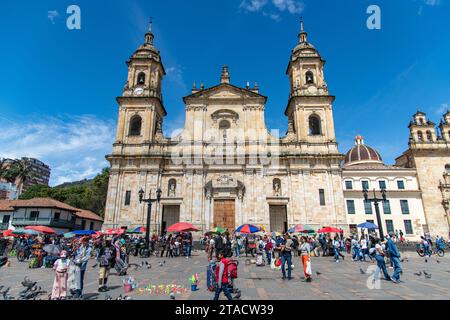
x: 46, y: 212
x: 363, y: 169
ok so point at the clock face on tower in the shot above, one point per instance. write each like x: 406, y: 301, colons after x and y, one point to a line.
x: 138, y: 91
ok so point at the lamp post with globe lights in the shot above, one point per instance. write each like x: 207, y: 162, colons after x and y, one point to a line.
x: 149, y: 202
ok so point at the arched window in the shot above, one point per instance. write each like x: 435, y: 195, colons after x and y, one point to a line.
x: 314, y: 125
x: 429, y: 136
x: 224, y: 125
x: 141, y: 78
x: 419, y: 135
x: 135, y: 125
x: 309, y: 77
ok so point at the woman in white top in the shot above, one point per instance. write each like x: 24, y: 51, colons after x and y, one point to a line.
x: 305, y: 255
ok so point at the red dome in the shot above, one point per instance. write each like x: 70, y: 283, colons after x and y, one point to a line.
x: 361, y: 153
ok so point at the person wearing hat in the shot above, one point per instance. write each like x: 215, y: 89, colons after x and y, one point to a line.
x: 61, y: 267
x: 394, y: 256
x: 107, y: 260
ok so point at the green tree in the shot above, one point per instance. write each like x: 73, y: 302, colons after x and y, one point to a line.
x: 88, y: 195
x: 20, y: 172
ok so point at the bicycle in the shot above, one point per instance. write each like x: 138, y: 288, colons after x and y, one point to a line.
x: 435, y: 251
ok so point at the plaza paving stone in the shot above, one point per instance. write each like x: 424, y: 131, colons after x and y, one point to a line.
x: 342, y: 281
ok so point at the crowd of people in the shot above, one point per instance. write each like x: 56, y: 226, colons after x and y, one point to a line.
x: 279, y: 251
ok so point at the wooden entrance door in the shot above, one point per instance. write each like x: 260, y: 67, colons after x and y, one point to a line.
x: 224, y: 214
x: 278, y: 218
x: 171, y: 215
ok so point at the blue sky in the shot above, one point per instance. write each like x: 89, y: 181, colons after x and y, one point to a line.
x: 58, y: 86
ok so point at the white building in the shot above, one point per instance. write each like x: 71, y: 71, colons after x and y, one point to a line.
x: 46, y: 212
x: 363, y: 168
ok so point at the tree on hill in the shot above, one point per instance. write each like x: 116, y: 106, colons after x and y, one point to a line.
x: 89, y: 195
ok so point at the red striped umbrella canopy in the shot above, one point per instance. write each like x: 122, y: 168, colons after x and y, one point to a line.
x: 9, y: 233
x: 182, y: 227
x: 248, y: 228
x: 41, y: 229
x: 328, y: 230
x: 114, y: 231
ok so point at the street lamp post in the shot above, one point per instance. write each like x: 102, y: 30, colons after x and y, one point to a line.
x: 149, y: 201
x: 376, y: 201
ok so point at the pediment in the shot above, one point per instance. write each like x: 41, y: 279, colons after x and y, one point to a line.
x: 225, y: 91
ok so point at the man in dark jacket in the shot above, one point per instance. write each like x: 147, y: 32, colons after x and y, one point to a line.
x: 106, y: 259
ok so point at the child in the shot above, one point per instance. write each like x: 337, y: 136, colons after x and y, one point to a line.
x: 61, y: 267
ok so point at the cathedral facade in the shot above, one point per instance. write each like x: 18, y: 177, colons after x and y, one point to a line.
x: 225, y: 168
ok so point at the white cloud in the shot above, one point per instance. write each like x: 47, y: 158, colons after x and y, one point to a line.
x: 291, y: 6
x: 253, y: 5
x: 52, y: 14
x: 273, y: 8
x: 73, y: 146
x: 432, y: 2
x: 442, y: 109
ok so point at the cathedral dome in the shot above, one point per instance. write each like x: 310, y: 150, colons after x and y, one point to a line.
x: 361, y: 153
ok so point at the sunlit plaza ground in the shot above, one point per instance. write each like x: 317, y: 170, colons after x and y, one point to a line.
x: 335, y: 281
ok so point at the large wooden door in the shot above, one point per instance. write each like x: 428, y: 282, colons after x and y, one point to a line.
x: 171, y: 215
x: 224, y: 214
x: 278, y: 218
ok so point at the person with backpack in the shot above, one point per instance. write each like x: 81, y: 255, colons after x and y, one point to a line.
x: 106, y: 260
x: 268, y: 249
x: 222, y: 277
x: 219, y: 245
x: 286, y: 256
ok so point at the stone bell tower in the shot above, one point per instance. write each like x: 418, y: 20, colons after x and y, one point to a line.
x: 309, y: 108
x: 141, y: 105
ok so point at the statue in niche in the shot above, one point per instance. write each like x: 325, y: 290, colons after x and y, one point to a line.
x: 172, y: 188
x: 276, y: 187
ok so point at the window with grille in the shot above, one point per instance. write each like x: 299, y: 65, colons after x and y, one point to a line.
x: 408, y: 227
x: 351, y: 206
x: 367, y: 207
x: 405, y: 207
x: 127, y: 198
x: 322, y: 197
x: 386, y: 207
x: 389, y: 226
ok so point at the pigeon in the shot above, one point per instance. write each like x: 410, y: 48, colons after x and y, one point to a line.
x: 438, y: 261
x: 361, y: 270
x: 172, y: 296
x: 237, y: 296
x: 426, y: 260
x: 160, y: 264
x: 164, y: 261
x: 418, y: 273
x: 149, y: 266
x: 108, y: 297
x: 318, y: 273
x: 95, y: 265
x: 428, y: 276
x: 128, y: 298
x: 142, y: 263
x: 425, y: 273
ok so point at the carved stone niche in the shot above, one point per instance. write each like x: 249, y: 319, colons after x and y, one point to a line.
x: 225, y: 114
x: 225, y: 185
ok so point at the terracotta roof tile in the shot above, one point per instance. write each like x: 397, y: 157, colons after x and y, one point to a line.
x: 8, y: 205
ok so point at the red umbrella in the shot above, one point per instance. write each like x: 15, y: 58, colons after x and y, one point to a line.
x: 182, y: 227
x: 114, y: 231
x: 41, y: 229
x: 328, y: 230
x: 8, y: 233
